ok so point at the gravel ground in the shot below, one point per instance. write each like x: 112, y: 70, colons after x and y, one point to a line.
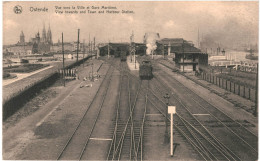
x: 98, y: 149
x: 154, y: 146
x: 36, y: 103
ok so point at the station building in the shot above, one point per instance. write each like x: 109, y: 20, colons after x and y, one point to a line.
x: 186, y: 57
x: 140, y: 48
x: 113, y: 48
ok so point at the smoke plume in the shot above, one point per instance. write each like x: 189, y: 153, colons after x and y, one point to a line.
x: 150, y: 40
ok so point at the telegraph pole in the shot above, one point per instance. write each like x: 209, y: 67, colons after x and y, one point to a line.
x: 83, y: 52
x: 163, y: 52
x: 89, y: 44
x: 132, y: 45
x: 94, y: 44
x: 256, y: 92
x: 198, y: 38
x: 78, y: 47
x: 135, y: 56
x: 63, y: 59
x: 108, y: 50
x: 91, y: 48
x: 183, y: 57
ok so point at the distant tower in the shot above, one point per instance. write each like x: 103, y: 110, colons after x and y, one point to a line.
x: 44, y: 39
x: 38, y: 38
x: 22, y: 38
x: 49, y: 35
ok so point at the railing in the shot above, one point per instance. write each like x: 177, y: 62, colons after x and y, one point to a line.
x: 229, y: 85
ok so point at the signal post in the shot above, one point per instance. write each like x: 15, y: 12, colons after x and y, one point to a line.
x: 171, y: 111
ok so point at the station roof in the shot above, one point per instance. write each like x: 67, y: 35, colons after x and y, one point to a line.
x: 114, y: 45
x: 179, y: 45
x: 166, y: 41
x: 185, y: 48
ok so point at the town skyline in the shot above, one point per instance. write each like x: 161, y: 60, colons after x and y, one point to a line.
x: 223, y: 21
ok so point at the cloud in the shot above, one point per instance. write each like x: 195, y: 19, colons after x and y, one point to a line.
x: 129, y: 19
x: 169, y: 24
x: 10, y: 24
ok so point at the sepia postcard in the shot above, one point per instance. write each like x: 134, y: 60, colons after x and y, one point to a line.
x: 130, y: 80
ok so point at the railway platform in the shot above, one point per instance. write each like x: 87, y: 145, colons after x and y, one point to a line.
x: 134, y: 65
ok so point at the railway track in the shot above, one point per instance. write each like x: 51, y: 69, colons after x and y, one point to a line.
x: 196, y: 133
x: 127, y: 141
x: 168, y: 64
x: 122, y: 113
x: 219, y: 115
x: 240, y: 135
x: 78, y: 141
x: 205, y: 143
x: 149, y: 100
x: 160, y: 110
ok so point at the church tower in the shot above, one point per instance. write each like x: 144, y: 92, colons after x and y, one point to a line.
x: 22, y: 38
x: 38, y: 38
x: 44, y: 39
x: 49, y: 35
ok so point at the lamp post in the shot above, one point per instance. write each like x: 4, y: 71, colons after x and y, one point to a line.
x: 166, y: 137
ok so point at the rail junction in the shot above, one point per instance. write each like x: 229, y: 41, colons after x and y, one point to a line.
x: 127, y: 120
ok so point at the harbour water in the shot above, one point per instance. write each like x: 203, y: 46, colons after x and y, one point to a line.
x: 239, y: 56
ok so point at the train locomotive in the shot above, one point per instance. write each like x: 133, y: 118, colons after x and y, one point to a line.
x: 146, y: 70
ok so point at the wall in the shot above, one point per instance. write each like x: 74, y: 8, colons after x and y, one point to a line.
x: 17, y: 101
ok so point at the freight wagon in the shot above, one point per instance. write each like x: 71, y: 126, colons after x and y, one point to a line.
x: 117, y: 53
x: 146, y: 70
x: 123, y: 56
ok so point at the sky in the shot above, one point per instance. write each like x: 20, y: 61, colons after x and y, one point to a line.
x: 228, y: 22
